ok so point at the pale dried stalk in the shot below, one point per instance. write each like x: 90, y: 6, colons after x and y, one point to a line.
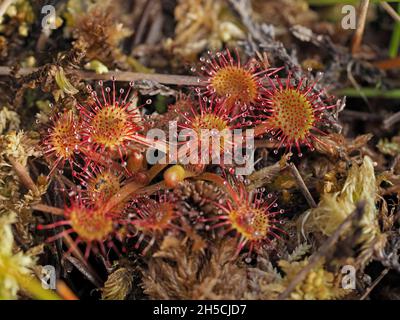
x: 362, y: 17
x: 48, y: 209
x: 376, y: 282
x: 393, y: 119
x: 388, y: 8
x: 303, y: 188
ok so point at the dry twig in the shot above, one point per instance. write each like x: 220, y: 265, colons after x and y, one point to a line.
x: 48, y: 209
x: 24, y: 176
x: 377, y: 280
x: 302, y: 186
x: 122, y: 76
x: 393, y: 119
x: 362, y: 17
x: 388, y: 8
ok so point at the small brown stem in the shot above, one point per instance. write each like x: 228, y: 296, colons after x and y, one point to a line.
x: 48, y: 209
x: 322, y: 251
x: 135, y: 188
x: 303, y: 188
x: 101, y: 159
x: 74, y: 249
x: 160, y: 185
x: 24, y: 176
x: 388, y: 63
x: 362, y: 17
x: 64, y: 181
x: 122, y: 195
x: 65, y: 292
x: 155, y: 170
